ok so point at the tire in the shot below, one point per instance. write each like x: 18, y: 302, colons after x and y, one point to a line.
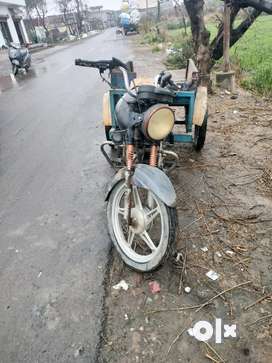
x: 136, y: 261
x: 200, y: 134
x: 15, y: 69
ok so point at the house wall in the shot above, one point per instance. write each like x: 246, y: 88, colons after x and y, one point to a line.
x: 4, y: 10
x: 11, y: 3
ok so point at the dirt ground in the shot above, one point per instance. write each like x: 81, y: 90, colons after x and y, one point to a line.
x: 225, y: 225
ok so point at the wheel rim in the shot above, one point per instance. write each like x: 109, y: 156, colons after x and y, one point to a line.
x: 148, y: 235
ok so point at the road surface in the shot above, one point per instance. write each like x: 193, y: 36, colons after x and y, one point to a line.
x: 53, y: 240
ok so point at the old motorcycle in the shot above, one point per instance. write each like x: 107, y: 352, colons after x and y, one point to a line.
x: 139, y: 119
x: 140, y: 199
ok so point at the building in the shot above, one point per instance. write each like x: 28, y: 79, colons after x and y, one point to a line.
x: 142, y: 4
x: 12, y: 28
x: 166, y: 6
x: 66, y: 25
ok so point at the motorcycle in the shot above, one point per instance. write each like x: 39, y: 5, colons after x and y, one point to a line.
x: 19, y: 57
x: 141, y: 200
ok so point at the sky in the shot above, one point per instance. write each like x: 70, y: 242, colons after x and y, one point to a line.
x: 107, y: 4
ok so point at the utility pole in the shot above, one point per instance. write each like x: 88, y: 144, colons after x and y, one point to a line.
x: 226, y: 79
x: 227, y: 4
x: 159, y: 10
x: 146, y: 8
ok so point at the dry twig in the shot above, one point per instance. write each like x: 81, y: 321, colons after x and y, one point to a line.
x: 190, y: 320
x: 215, y: 352
x: 258, y: 301
x: 260, y: 319
x: 221, y: 293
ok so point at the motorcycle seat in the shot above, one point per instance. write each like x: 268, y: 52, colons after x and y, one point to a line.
x: 23, y: 52
x: 155, y: 94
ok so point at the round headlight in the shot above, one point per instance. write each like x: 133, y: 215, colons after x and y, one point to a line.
x: 159, y: 121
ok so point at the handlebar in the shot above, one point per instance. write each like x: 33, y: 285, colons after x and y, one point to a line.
x: 102, y: 65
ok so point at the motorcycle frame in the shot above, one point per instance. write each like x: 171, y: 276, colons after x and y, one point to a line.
x: 184, y: 99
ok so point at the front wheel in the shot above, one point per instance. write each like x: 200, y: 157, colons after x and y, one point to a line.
x: 145, y: 244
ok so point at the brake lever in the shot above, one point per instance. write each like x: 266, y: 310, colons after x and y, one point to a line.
x: 101, y: 72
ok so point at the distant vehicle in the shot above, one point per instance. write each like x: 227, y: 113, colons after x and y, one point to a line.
x: 129, y: 23
x: 20, y: 58
x: 131, y: 28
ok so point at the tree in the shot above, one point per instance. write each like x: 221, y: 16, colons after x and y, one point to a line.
x: 208, y: 52
x: 65, y: 8
x: 180, y: 10
x: 40, y: 8
x: 79, y: 16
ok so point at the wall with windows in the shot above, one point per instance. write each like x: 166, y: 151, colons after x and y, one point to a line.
x: 8, y: 31
x: 7, y: 22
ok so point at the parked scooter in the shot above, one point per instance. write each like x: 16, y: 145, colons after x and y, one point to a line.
x: 19, y: 57
x: 141, y: 211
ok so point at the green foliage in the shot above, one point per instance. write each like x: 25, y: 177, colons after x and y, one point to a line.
x: 154, y: 36
x: 260, y: 79
x: 183, y: 51
x: 155, y: 49
x: 173, y: 25
x: 251, y: 56
x: 255, y: 56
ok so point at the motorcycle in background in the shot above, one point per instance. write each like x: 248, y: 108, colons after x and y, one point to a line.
x: 20, y: 58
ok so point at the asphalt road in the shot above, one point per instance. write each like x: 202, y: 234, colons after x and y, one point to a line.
x: 53, y: 240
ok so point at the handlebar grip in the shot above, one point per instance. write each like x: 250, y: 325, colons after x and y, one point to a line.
x: 85, y: 63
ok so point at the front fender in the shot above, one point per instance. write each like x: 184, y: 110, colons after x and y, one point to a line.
x: 151, y: 178
x: 120, y: 175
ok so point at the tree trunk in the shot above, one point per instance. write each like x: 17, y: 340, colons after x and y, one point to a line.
x: 201, y: 37
x: 42, y: 20
x: 184, y: 24
x: 78, y: 16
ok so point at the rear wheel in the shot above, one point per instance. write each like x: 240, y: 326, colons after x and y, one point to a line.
x: 145, y: 244
x: 200, y: 134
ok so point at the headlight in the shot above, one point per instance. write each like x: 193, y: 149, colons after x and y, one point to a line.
x: 158, y: 122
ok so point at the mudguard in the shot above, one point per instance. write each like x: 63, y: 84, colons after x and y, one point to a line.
x: 201, y: 105
x: 120, y: 175
x: 151, y: 178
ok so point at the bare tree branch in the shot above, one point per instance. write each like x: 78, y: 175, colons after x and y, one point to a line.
x: 261, y: 5
x: 235, y: 35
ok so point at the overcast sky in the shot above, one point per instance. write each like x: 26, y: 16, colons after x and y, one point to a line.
x: 107, y: 4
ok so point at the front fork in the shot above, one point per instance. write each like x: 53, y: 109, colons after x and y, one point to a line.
x: 153, y: 161
x: 128, y: 181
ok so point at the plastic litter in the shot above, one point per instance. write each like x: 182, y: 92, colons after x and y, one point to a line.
x: 121, y: 285
x: 212, y: 275
x: 154, y: 287
x: 230, y: 253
